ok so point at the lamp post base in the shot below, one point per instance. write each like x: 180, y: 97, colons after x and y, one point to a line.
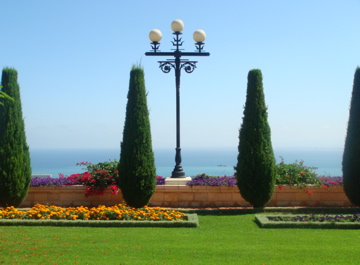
x: 177, y: 181
x: 178, y: 174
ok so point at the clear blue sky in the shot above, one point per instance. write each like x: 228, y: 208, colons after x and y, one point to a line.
x: 74, y: 58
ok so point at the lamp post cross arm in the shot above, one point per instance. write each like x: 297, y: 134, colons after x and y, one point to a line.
x: 180, y: 53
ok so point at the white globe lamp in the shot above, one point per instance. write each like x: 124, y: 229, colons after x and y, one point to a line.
x: 199, y: 35
x: 155, y: 35
x: 177, y: 25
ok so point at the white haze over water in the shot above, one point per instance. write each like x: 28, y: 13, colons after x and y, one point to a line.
x: 217, y: 162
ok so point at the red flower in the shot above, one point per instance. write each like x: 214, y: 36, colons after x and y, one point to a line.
x: 115, y: 189
x: 324, y: 186
x: 85, y: 176
x: 281, y: 187
x: 302, y: 173
x: 90, y: 191
x: 308, y: 191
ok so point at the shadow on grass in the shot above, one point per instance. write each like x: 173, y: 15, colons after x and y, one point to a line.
x: 304, y: 210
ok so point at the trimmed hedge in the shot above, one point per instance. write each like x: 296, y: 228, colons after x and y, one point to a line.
x: 137, y: 172
x: 255, y: 169
x: 351, y: 156
x: 15, y: 169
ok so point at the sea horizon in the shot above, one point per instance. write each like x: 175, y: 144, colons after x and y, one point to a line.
x: 216, y: 162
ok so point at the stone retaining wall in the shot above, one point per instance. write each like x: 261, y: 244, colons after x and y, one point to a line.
x: 187, y: 196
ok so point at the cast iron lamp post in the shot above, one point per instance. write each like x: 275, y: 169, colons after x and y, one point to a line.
x: 177, y: 64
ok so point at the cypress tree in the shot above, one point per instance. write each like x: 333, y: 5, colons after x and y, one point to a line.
x: 255, y: 170
x: 15, y: 170
x: 137, y: 173
x: 4, y: 95
x: 351, y: 155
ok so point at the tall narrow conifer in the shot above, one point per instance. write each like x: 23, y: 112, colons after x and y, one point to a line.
x: 351, y: 156
x: 15, y: 170
x: 137, y: 173
x: 255, y: 170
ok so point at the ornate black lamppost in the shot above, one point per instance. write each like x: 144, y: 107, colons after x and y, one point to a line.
x: 177, y: 64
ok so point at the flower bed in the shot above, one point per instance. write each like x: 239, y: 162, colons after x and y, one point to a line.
x: 46, y: 182
x: 206, y: 180
x: 316, y: 218
x: 101, y: 176
x: 191, y: 221
x: 117, y: 212
x: 297, y: 185
x: 114, y: 216
x: 309, y: 221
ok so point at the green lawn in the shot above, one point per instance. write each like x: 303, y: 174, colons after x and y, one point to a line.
x: 232, y: 239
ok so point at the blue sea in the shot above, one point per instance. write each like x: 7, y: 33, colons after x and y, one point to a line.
x: 216, y: 162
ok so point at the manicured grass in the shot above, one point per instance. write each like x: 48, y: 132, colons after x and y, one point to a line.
x: 220, y: 239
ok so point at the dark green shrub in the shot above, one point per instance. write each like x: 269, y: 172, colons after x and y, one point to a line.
x: 351, y: 156
x: 110, y: 166
x: 15, y: 170
x: 255, y: 170
x: 137, y: 173
x: 296, y: 174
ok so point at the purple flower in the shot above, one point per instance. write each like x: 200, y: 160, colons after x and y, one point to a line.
x: 206, y: 180
x: 160, y: 180
x: 318, y: 218
x: 38, y: 182
x: 331, y: 181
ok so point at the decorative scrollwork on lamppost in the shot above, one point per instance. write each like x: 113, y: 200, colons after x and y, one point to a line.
x: 177, y: 64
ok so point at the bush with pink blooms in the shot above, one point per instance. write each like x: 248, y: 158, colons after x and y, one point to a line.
x: 97, y: 178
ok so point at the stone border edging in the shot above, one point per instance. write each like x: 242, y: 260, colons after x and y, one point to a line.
x: 263, y: 221
x: 192, y: 221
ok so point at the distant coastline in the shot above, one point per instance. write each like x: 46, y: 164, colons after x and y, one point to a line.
x: 209, y: 161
